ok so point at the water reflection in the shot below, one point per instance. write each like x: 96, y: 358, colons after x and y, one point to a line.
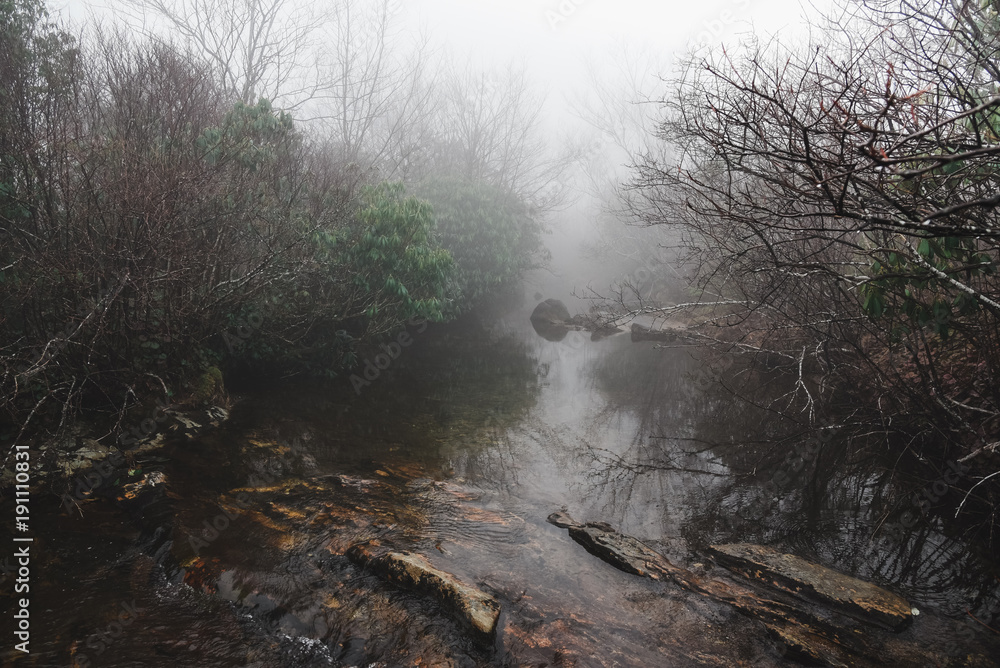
x: 737, y: 467
x: 458, y: 452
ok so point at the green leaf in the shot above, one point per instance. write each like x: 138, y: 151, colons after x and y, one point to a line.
x: 924, y: 248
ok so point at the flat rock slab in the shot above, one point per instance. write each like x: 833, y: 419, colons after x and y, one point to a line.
x: 640, y: 333
x: 803, y: 636
x: 854, y: 597
x: 476, y: 608
x: 623, y: 552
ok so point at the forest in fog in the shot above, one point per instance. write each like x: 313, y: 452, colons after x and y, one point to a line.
x: 269, y: 188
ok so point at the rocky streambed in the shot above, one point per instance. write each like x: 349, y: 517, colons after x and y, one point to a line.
x: 296, y: 566
x: 413, y: 526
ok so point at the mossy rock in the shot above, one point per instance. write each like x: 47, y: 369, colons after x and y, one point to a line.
x: 209, y: 386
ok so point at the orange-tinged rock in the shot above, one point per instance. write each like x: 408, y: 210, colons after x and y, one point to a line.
x: 850, y: 595
x: 477, y: 609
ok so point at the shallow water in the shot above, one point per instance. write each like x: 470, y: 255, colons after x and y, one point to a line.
x: 459, y: 450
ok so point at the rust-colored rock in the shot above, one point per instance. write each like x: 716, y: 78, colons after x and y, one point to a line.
x: 803, y: 635
x: 477, y: 609
x: 795, y: 575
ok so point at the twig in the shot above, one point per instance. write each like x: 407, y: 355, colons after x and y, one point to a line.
x: 960, y: 506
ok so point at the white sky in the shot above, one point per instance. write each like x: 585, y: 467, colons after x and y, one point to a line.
x: 555, y: 36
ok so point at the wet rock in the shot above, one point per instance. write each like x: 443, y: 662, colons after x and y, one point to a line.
x: 478, y: 610
x: 133, y: 490
x: 640, y: 333
x: 192, y: 424
x: 795, y: 575
x: 89, y: 453
x: 598, y: 328
x: 623, y: 552
x: 562, y: 519
x: 76, y: 458
x: 550, y: 332
x: 551, y: 312
x: 552, y: 321
x: 146, y: 500
x: 804, y: 634
x: 805, y: 647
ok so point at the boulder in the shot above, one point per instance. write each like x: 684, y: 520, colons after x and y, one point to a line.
x: 552, y: 321
x: 477, y: 609
x: 857, y: 598
x: 551, y: 312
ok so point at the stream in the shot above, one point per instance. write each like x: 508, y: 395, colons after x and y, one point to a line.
x: 458, y: 450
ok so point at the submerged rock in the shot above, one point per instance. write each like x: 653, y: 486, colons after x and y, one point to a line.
x: 477, y: 609
x: 793, y: 574
x: 806, y: 647
x: 667, y: 335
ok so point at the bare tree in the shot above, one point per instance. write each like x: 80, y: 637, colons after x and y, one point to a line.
x: 157, y: 213
x: 619, y: 105
x: 259, y: 48
x: 490, y: 130
x: 839, y: 206
x: 375, y: 94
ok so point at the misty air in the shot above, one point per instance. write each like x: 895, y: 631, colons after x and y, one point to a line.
x: 541, y: 333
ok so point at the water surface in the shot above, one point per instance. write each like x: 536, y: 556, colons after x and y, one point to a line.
x: 459, y: 450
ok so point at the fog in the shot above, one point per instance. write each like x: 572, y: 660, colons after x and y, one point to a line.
x: 570, y: 51
x: 566, y: 47
x: 295, y: 291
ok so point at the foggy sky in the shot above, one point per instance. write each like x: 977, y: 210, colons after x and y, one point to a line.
x: 554, y: 38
